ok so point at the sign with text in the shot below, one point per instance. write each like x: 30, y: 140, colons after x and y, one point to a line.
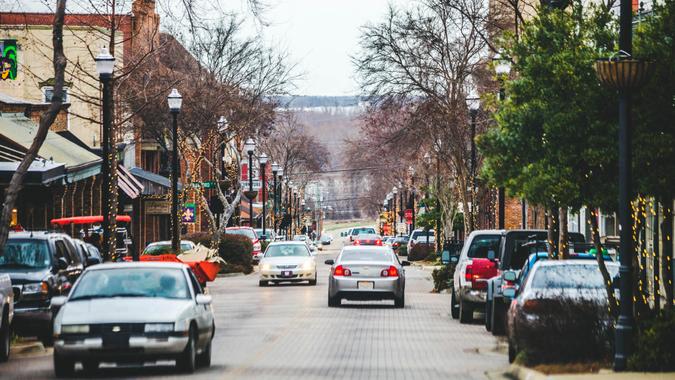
x: 157, y: 207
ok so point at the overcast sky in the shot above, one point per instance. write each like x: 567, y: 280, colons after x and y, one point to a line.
x: 320, y: 35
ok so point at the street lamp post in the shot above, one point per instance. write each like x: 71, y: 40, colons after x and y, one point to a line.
x: 249, y: 147
x: 275, y: 171
x: 105, y: 63
x: 503, y: 69
x: 175, y: 101
x: 473, y: 103
x: 411, y: 171
x: 427, y: 161
x: 394, y: 191
x: 222, y: 129
x: 280, y: 177
x: 263, y: 163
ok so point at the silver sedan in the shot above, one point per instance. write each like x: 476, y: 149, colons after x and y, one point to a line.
x: 366, y: 273
x: 134, y: 313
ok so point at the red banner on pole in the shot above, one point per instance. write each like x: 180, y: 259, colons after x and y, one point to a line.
x: 408, y: 216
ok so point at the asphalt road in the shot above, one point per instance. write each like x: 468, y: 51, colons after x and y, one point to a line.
x: 288, y: 331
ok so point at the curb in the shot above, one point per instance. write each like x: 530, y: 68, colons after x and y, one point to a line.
x: 27, y: 348
x: 236, y: 274
x: 519, y: 372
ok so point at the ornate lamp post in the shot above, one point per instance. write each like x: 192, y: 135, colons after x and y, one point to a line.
x: 280, y: 177
x: 427, y: 161
x: 473, y: 103
x: 502, y: 69
x: 275, y: 171
x: 411, y: 171
x: 263, y: 163
x: 222, y: 129
x: 175, y: 101
x: 624, y: 73
x: 105, y: 64
x: 249, y: 148
x: 394, y: 191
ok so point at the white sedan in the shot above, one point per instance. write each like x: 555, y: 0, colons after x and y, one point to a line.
x: 288, y: 261
x: 133, y: 313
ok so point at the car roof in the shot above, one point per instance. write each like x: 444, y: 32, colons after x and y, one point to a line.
x: 138, y: 264
x: 366, y: 248
x: 164, y: 242
x: 43, y: 235
x: 571, y: 262
x: 288, y: 242
x: 487, y: 232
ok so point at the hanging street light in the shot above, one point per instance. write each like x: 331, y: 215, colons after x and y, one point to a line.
x: 175, y: 101
x: 502, y: 69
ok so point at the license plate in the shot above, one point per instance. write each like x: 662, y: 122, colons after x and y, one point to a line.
x: 116, y: 341
x: 286, y: 273
x: 367, y: 285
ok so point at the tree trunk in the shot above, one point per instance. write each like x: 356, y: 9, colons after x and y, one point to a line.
x: 595, y: 231
x: 564, y: 235
x: 46, y: 120
x: 667, y: 250
x: 553, y: 233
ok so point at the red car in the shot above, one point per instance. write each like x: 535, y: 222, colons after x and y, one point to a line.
x: 367, y: 239
x: 251, y: 234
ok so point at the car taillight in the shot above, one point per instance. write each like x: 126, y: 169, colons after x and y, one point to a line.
x: 468, y: 273
x: 341, y: 271
x: 391, y: 272
x: 378, y: 242
x: 356, y: 242
x: 395, y: 245
x: 531, y: 306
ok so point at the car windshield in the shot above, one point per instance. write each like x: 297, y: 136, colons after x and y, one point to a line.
x: 162, y: 248
x: 482, y: 245
x: 20, y: 253
x: 242, y: 231
x: 358, y: 255
x: 132, y: 282
x: 286, y: 250
x: 570, y: 276
x: 364, y: 230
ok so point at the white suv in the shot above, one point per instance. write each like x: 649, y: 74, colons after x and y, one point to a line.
x: 420, y: 236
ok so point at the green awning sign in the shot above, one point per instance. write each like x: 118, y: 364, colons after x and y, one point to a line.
x: 8, y: 61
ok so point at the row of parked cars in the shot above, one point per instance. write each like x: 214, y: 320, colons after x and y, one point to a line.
x: 507, y: 276
x: 35, y: 267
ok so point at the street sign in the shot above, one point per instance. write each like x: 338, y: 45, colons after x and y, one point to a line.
x: 401, y: 228
x: 157, y: 207
x: 408, y: 216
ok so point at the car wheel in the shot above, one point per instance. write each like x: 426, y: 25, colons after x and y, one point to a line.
x: 334, y: 301
x: 488, y: 315
x: 262, y: 283
x: 454, y: 306
x: 465, y: 312
x: 47, y: 339
x: 497, y: 323
x: 513, y: 351
x: 313, y: 282
x: 399, y: 302
x: 188, y: 359
x: 90, y: 366
x: 204, y: 359
x: 5, y: 335
x: 63, y: 367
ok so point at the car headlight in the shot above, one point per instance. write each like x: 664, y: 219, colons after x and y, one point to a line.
x: 36, y: 288
x: 307, y: 265
x: 74, y: 329
x: 158, y: 327
x: 266, y: 266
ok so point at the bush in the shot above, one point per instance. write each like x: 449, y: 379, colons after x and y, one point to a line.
x: 654, y: 345
x: 203, y: 238
x: 442, y: 277
x: 236, y: 250
x: 567, y: 331
x: 420, y: 252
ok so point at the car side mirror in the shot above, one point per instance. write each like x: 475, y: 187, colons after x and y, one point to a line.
x: 329, y: 262
x: 203, y: 299
x: 454, y: 259
x: 405, y: 263
x: 58, y: 301
x: 62, y: 263
x: 510, y: 292
x: 510, y: 275
x: 491, y: 255
x: 93, y: 261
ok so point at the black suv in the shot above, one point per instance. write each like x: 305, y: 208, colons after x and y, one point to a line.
x: 41, y: 265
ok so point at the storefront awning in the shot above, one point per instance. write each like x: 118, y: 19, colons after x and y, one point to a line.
x: 39, y: 173
x: 128, y: 183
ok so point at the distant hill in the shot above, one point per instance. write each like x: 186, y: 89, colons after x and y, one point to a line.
x: 300, y: 102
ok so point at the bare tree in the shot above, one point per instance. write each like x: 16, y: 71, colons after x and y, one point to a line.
x: 46, y: 120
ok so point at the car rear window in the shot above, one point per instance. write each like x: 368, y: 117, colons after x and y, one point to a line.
x: 361, y: 231
x: 365, y: 255
x: 482, y: 245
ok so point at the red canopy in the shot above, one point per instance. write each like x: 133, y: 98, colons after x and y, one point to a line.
x: 87, y: 219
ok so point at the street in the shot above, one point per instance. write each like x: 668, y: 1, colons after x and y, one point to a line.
x: 288, y: 331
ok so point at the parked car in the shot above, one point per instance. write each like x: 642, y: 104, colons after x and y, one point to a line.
x: 269, y: 234
x: 251, y: 234
x: 367, y: 239
x: 418, y: 236
x: 287, y: 262
x: 366, y: 273
x: 133, y: 312
x: 476, y: 265
x: 326, y: 239
x: 389, y: 241
x: 162, y: 247
x: 41, y: 266
x: 89, y: 254
x: 6, y: 315
x: 400, y: 241
x: 354, y: 232
x: 513, y: 251
x: 304, y: 238
x: 551, y: 281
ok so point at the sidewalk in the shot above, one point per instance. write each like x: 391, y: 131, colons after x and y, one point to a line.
x: 523, y: 373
